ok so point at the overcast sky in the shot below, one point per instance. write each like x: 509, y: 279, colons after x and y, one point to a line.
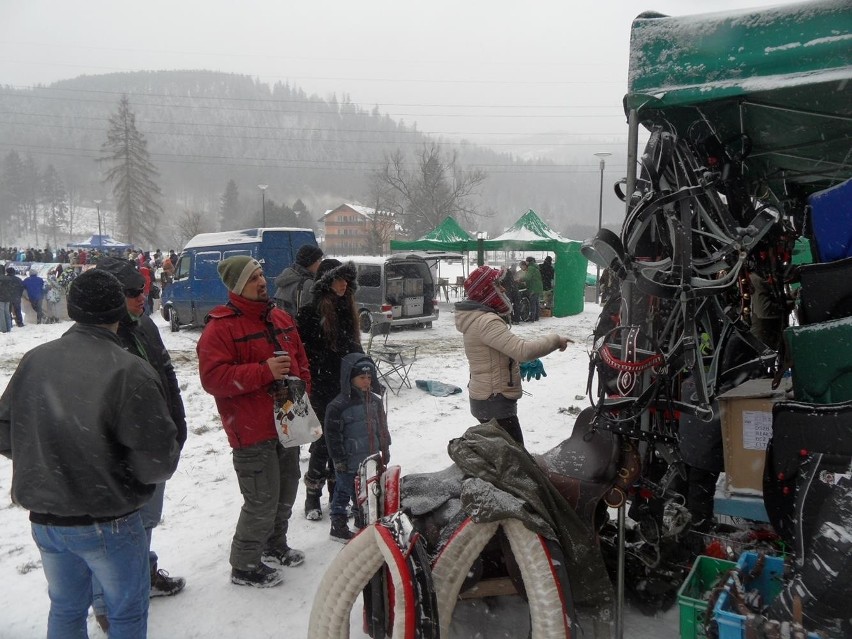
x: 467, y: 68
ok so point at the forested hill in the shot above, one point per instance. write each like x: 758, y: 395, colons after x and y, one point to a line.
x: 205, y: 128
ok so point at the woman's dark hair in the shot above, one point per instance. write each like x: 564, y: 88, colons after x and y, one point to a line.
x: 329, y: 306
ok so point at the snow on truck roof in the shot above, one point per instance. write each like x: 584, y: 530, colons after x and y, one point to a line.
x: 244, y: 236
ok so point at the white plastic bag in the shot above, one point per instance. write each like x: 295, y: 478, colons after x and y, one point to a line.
x: 295, y: 419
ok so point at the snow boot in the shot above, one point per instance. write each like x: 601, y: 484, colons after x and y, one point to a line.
x: 289, y: 557
x: 164, y: 586
x: 340, y: 529
x: 261, y: 577
x: 313, y: 510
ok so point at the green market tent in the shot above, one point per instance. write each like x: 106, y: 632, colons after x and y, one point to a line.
x: 776, y: 80
x: 447, y: 236
x: 530, y: 233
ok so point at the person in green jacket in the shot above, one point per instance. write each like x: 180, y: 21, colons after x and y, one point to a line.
x: 534, y: 287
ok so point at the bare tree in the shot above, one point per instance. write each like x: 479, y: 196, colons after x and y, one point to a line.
x: 423, y: 197
x: 188, y: 226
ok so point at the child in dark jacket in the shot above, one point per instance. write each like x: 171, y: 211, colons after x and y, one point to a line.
x: 355, y: 428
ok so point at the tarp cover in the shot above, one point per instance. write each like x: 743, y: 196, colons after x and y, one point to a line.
x: 778, y: 75
x: 531, y: 233
x: 100, y: 241
x: 447, y: 236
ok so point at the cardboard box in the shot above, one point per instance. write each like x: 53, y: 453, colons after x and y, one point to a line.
x: 746, y: 413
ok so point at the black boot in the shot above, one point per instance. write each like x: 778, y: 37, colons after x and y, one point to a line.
x: 162, y: 585
x: 313, y: 510
x: 340, y: 529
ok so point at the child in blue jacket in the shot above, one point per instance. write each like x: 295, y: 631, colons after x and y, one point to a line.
x: 355, y: 428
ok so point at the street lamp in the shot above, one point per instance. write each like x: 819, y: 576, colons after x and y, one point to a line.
x: 602, y: 155
x: 100, y: 232
x: 263, y: 188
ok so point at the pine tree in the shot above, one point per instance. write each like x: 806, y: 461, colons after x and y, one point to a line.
x: 31, y: 188
x: 229, y: 206
x: 132, y: 176
x: 11, y: 198
x: 55, y: 202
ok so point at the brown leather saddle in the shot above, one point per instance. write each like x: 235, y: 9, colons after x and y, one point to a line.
x: 591, y: 467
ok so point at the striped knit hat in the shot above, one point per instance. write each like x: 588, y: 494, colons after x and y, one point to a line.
x: 481, y: 286
x: 235, y: 271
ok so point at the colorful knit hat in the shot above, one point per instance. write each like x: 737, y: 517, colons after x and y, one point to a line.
x: 482, y: 286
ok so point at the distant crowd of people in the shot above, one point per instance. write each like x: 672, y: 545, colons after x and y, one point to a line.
x: 19, y: 280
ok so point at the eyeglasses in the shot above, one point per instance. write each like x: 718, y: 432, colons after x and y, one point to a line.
x: 133, y: 292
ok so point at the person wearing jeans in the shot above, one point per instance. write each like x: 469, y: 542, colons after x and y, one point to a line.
x: 84, y: 468
x: 116, y: 553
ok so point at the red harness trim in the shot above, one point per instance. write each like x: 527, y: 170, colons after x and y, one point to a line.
x: 629, y: 367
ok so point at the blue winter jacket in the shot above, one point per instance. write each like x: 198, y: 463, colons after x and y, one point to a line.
x: 34, y: 286
x: 355, y: 423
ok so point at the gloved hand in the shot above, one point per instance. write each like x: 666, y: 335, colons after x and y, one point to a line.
x: 340, y: 466
x: 532, y: 369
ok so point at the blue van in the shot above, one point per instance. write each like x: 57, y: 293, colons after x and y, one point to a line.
x: 196, y: 288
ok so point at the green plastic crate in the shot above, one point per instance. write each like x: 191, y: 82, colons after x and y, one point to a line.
x: 706, y: 574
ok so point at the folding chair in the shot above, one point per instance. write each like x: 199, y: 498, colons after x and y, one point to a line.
x: 393, y: 360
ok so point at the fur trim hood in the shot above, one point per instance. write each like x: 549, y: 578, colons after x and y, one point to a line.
x: 346, y: 271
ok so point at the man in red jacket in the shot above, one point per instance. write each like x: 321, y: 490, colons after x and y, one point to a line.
x: 238, y: 367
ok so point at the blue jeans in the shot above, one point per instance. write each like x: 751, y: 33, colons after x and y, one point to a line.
x: 344, y: 492
x: 117, y: 553
x: 151, y: 514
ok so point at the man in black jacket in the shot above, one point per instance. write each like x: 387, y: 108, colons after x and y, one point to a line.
x: 140, y: 336
x: 16, y: 288
x: 89, y: 433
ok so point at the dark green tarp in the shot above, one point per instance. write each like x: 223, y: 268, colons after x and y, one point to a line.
x: 780, y: 76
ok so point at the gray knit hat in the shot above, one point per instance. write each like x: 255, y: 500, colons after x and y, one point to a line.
x: 235, y: 271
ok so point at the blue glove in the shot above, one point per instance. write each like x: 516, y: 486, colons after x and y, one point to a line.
x: 532, y: 369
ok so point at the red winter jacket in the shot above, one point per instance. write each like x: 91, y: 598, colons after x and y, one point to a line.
x: 232, y: 353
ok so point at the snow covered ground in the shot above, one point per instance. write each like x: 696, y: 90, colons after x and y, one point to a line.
x: 203, y: 500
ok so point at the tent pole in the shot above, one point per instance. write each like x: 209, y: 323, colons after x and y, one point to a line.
x: 626, y: 320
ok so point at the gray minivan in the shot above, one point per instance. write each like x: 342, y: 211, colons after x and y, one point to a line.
x: 399, y: 288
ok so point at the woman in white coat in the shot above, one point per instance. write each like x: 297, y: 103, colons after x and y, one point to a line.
x: 494, y: 353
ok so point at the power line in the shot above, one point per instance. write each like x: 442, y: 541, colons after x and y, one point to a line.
x: 267, y: 127
x: 342, y: 165
x: 309, y: 111
x: 291, y: 138
x: 302, y: 101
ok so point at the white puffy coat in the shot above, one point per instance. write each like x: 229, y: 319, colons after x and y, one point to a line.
x: 494, y: 353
